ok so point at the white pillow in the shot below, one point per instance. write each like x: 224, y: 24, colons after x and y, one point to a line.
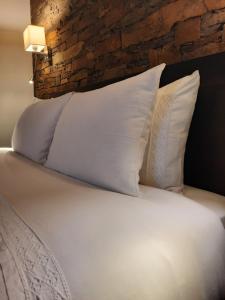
x: 164, y: 155
x: 101, y: 135
x: 34, y: 130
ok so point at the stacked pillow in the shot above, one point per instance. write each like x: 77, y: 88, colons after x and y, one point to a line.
x: 164, y: 155
x: 103, y: 136
x: 34, y: 131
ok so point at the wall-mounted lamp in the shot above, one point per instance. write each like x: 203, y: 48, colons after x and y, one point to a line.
x: 35, y: 42
x: 34, y: 39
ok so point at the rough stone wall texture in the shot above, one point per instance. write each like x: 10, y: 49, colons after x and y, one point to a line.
x: 95, y: 41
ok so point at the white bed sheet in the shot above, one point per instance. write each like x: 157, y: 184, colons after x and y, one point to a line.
x: 210, y: 200
x: 160, y: 246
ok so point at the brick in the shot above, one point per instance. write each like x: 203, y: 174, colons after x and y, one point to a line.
x: 90, y: 32
x: 62, y: 47
x: 95, y: 41
x: 65, y: 75
x: 214, y: 18
x: 46, y: 70
x: 115, y: 14
x: 83, y: 82
x: 71, y: 52
x: 116, y: 72
x: 58, y: 58
x: 169, y: 54
x: 134, y: 16
x: 86, y: 19
x: 181, y: 10
x: 82, y: 62
x: 136, y: 70
x: 42, y: 65
x: 57, y: 80
x: 79, y: 75
x: 52, y: 38
x: 68, y: 67
x: 65, y: 80
x: 205, y: 50
x: 67, y: 26
x: 208, y: 30
x: 223, y: 35
x: 153, y: 57
x: 144, y: 31
x: 73, y: 39
x: 215, y: 4
x: 183, y: 34
x: 108, y: 45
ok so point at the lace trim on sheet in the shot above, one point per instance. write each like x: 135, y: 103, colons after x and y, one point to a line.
x: 28, y: 270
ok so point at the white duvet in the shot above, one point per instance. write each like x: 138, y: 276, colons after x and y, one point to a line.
x: 159, y: 246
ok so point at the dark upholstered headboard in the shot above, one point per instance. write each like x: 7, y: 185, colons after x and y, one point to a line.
x: 205, y: 151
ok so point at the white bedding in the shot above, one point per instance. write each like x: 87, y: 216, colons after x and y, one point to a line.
x: 213, y: 201
x: 28, y: 269
x: 111, y: 246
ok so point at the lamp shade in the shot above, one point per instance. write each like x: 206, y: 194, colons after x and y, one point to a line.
x: 34, y: 38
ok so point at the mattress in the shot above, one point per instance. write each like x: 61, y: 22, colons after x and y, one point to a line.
x: 210, y: 200
x: 159, y: 246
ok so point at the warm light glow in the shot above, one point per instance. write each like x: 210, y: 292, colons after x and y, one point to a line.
x: 4, y: 149
x: 31, y: 80
x: 34, y: 38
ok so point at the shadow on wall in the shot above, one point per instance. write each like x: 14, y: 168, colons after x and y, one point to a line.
x: 15, y: 92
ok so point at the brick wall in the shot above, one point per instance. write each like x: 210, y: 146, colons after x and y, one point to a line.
x: 95, y: 41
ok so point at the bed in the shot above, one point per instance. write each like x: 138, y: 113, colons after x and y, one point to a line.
x: 98, y: 244
x: 111, y: 246
x: 212, y: 201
